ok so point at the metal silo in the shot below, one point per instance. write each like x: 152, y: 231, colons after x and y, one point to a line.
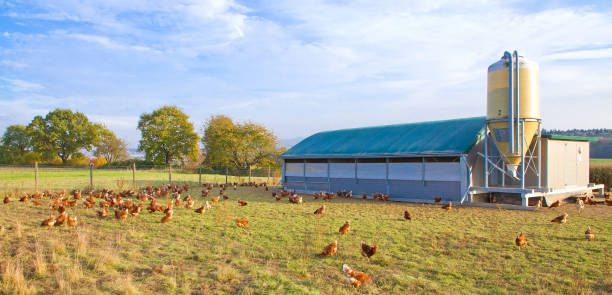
x: 513, y: 108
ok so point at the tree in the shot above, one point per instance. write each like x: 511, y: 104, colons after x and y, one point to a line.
x: 62, y: 132
x: 109, y: 146
x: 167, y: 135
x: 240, y: 145
x: 16, y: 143
x: 218, y: 139
x: 252, y: 144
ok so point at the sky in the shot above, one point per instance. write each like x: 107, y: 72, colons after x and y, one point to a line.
x: 298, y: 67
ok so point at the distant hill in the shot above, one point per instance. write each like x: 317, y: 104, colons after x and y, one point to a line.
x: 601, y: 149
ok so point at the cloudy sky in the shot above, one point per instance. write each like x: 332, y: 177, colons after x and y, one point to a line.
x: 298, y: 66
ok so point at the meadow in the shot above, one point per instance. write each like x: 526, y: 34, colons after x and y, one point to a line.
x: 466, y: 250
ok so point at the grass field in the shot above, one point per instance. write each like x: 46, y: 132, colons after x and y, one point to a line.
x: 466, y: 250
x: 601, y: 162
x: 22, y: 178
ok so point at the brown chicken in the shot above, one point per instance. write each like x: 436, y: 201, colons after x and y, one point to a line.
x: 562, y: 219
x: 6, y: 200
x: 589, y: 234
x: 121, y: 214
x: 60, y: 219
x: 557, y: 203
x: 353, y: 277
x: 134, y: 210
x: 364, y: 196
x: 608, y: 202
x: 407, y: 215
x: 448, y: 206
x: 241, y: 222
x: 520, y: 241
x: 320, y: 210
x: 167, y: 217
x: 330, y: 250
x: 200, y: 210
x: 437, y: 199
x: 48, y: 222
x: 215, y: 199
x: 36, y: 202
x: 225, y: 197
x: 242, y: 203
x: 345, y: 228
x: 367, y: 250
x: 71, y: 220
x: 103, y: 212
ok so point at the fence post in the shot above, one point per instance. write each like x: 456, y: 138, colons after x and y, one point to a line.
x: 91, y: 165
x: 170, y: 173
x: 35, y: 176
x: 134, y: 174
x: 249, y: 173
x: 226, y: 172
x: 268, y: 180
x: 200, y: 175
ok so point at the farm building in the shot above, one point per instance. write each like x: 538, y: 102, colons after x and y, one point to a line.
x: 500, y: 158
x: 418, y: 161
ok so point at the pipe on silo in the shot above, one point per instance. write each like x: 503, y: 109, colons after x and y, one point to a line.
x: 516, y: 92
x: 508, y: 57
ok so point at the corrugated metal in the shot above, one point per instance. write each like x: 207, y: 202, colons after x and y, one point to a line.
x: 425, y: 138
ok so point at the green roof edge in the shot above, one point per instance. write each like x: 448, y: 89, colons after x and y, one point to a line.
x: 567, y: 137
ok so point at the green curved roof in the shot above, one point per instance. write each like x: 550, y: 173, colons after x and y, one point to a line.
x: 435, y: 138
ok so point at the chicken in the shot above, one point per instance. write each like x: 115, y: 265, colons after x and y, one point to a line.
x: 207, y: 205
x: 60, y: 219
x: 448, y: 206
x: 539, y: 204
x: 562, y: 219
x: 278, y: 198
x: 36, y: 202
x: 215, y: 199
x: 437, y: 199
x: 242, y: 203
x: 520, y: 241
x: 320, y: 211
x: 295, y: 199
x: 167, y: 217
x: 48, y: 222
x: 189, y: 204
x: 353, y: 277
x: 71, y: 220
x: 367, y: 250
x: 579, y: 205
x: 225, y: 197
x: 103, y: 212
x: 241, y: 222
x: 134, y: 210
x: 121, y: 214
x: 364, y: 196
x: 6, y: 200
x: 200, y: 210
x: 608, y: 202
x: 589, y: 234
x: 330, y: 250
x: 407, y: 215
x: 557, y: 203
x: 345, y: 228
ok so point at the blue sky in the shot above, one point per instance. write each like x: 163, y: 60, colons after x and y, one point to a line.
x: 298, y: 66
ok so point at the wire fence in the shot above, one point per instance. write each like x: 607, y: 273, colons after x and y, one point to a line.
x: 42, y: 177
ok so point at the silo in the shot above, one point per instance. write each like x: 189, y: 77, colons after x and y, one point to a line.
x: 513, y: 107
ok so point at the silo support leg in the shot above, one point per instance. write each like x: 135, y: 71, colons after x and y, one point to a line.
x: 525, y: 200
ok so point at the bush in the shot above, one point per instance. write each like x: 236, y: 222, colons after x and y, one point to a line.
x: 600, y: 175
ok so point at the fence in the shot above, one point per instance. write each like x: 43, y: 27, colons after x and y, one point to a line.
x: 40, y: 177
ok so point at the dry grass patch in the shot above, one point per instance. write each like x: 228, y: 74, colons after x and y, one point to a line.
x: 13, y: 280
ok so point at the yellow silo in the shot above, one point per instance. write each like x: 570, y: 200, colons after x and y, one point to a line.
x: 513, y: 131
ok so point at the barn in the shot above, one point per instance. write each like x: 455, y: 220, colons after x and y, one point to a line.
x: 411, y: 162
x: 418, y: 161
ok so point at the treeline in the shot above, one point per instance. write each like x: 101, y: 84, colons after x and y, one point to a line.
x: 167, y: 137
x: 601, y: 132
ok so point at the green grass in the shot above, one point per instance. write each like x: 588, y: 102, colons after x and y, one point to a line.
x: 22, y: 178
x: 466, y: 250
x: 601, y: 162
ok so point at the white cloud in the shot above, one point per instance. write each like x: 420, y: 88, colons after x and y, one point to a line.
x: 22, y: 86
x: 581, y: 54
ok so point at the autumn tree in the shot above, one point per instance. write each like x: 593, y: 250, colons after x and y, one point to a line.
x: 167, y: 136
x: 62, y: 133
x: 241, y: 145
x: 109, y: 146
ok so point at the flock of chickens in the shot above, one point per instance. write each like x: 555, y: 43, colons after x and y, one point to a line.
x: 123, y: 206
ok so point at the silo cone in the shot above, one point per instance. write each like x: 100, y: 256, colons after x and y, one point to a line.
x: 498, y: 108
